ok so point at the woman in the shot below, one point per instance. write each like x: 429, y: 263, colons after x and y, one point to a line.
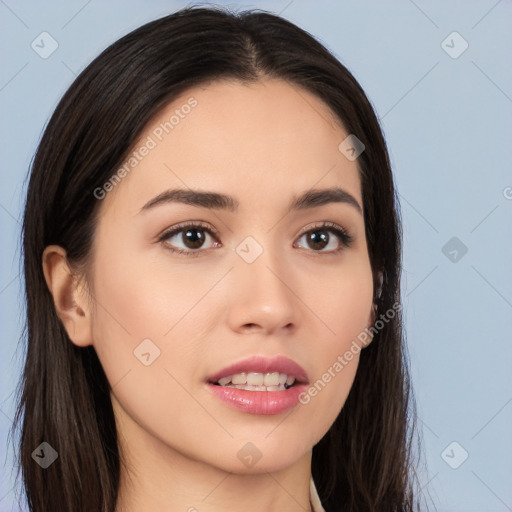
x: 212, y: 262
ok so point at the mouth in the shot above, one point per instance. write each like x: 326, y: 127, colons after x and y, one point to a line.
x: 255, y: 381
x: 260, y: 385
x: 260, y: 373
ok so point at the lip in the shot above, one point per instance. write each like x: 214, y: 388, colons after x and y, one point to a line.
x: 262, y: 364
x: 260, y: 402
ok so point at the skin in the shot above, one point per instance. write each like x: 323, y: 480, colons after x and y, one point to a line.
x: 263, y: 143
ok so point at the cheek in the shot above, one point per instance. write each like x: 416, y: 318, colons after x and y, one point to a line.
x: 145, y: 332
x: 145, y: 296
x: 343, y: 304
x: 145, y: 307
x: 342, y: 300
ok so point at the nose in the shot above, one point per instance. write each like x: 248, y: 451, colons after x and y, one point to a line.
x: 262, y: 297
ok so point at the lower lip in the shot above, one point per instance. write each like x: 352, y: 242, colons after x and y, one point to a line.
x: 258, y: 402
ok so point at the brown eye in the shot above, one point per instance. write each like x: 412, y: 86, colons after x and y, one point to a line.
x: 188, y: 239
x: 321, y: 237
x: 317, y: 239
x: 193, y: 238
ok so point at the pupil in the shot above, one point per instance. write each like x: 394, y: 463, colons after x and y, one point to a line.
x: 322, y: 239
x: 192, y: 241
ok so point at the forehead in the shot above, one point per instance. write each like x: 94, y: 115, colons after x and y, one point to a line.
x: 262, y: 139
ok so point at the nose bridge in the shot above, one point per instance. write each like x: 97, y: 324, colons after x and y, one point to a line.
x: 261, y: 260
x: 263, y: 294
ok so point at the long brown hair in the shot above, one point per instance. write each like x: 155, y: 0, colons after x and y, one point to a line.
x: 366, y: 460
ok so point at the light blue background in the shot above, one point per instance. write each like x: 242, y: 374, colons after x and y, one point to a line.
x: 448, y: 124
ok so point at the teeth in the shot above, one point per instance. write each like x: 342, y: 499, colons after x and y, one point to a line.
x: 258, y: 381
x: 255, y: 379
x: 224, y: 381
x: 239, y: 378
x: 247, y: 387
x: 271, y: 379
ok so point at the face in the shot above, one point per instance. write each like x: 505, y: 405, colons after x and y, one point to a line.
x: 185, y: 288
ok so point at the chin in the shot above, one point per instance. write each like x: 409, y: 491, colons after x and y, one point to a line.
x: 253, y: 455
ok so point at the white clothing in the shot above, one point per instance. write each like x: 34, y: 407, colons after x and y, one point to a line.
x: 316, y: 505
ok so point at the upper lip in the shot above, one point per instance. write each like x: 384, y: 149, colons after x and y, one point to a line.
x: 263, y: 364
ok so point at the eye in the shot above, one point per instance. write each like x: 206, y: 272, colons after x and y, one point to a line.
x: 191, y: 235
x: 318, y: 238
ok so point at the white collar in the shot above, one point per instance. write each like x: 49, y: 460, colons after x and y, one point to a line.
x: 316, y: 505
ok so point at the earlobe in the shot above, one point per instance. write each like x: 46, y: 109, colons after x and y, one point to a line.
x: 70, y: 302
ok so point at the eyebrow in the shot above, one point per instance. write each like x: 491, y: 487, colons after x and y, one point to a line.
x: 218, y: 201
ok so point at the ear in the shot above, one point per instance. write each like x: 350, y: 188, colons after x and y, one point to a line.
x: 70, y: 299
x: 379, y: 282
x: 372, y: 317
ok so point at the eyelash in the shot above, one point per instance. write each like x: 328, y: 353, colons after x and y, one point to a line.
x: 343, y: 236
